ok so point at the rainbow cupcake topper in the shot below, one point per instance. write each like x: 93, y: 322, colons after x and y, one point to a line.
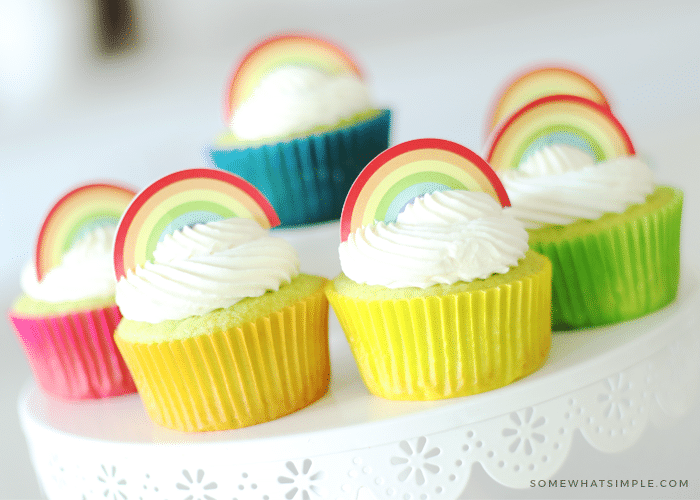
x: 75, y: 214
x: 558, y: 119
x: 181, y: 199
x: 298, y: 50
x: 542, y: 82
x: 411, y: 169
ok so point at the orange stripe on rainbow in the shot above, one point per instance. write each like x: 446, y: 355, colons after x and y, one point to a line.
x: 403, y: 167
x: 577, y: 117
x: 185, y: 192
x: 81, y: 209
x: 540, y: 82
x: 300, y: 50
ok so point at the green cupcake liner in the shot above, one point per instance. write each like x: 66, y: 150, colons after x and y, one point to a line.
x: 617, y: 268
x: 307, y: 179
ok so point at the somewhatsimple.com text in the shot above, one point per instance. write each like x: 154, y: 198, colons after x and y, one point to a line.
x: 608, y: 483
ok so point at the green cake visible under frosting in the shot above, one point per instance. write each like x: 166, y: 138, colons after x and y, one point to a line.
x: 531, y: 263
x: 246, y: 310
x: 615, y: 268
x: 448, y: 341
x: 307, y: 177
x: 229, y: 139
x: 662, y: 198
x: 32, y: 307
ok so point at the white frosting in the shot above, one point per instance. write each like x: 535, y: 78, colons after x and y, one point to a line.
x: 86, y: 270
x: 293, y: 99
x: 561, y: 184
x: 443, y: 237
x: 206, y: 267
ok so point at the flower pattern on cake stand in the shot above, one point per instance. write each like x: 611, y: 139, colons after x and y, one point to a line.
x: 529, y: 442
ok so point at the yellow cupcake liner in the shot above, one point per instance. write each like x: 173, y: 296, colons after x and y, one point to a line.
x: 453, y: 345
x: 237, y: 377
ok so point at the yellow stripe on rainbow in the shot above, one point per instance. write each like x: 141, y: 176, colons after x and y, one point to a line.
x: 582, y: 120
x: 299, y: 50
x: 541, y: 82
x: 411, y: 169
x: 188, y: 194
x: 76, y: 212
x: 224, y: 205
x: 425, y: 161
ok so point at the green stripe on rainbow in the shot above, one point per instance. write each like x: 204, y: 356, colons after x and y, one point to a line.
x: 388, y: 206
x: 558, y: 119
x: 411, y: 169
x: 283, y: 50
x: 76, y: 213
x: 190, y: 213
x: 541, y: 82
x: 561, y: 134
x: 184, y: 198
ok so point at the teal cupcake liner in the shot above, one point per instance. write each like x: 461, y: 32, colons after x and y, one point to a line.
x: 307, y: 179
x: 617, y: 273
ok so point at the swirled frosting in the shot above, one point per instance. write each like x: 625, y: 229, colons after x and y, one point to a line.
x: 561, y: 184
x: 86, y: 271
x: 440, y: 238
x: 205, y: 267
x: 294, y: 99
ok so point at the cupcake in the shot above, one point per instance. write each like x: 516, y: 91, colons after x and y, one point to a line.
x: 66, y: 315
x: 439, y: 296
x: 220, y: 329
x: 301, y: 126
x: 591, y: 205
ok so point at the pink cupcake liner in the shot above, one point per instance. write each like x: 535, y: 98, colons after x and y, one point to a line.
x: 73, y: 356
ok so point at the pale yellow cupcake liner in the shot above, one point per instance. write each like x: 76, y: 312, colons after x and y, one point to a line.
x: 237, y: 377
x: 452, y: 345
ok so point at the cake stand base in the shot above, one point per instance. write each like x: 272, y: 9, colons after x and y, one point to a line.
x: 606, y: 384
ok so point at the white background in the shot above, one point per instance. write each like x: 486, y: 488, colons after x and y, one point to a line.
x: 67, y: 117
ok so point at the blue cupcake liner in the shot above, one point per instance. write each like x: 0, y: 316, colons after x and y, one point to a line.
x: 307, y: 179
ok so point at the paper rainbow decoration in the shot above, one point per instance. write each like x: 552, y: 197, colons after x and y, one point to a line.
x: 184, y: 198
x: 299, y: 50
x: 541, y: 82
x: 411, y: 169
x: 558, y: 119
x: 76, y: 213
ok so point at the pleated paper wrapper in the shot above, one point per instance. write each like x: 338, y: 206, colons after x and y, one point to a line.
x: 238, y: 377
x: 448, y: 346
x: 307, y: 179
x: 73, y: 356
x: 618, y: 273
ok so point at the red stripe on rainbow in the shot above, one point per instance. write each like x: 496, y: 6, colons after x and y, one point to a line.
x: 465, y: 163
x: 537, y: 82
x: 72, y: 211
x: 601, y: 121
x: 182, y: 187
x: 278, y: 51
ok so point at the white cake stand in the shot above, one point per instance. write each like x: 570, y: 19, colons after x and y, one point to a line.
x: 606, y: 383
